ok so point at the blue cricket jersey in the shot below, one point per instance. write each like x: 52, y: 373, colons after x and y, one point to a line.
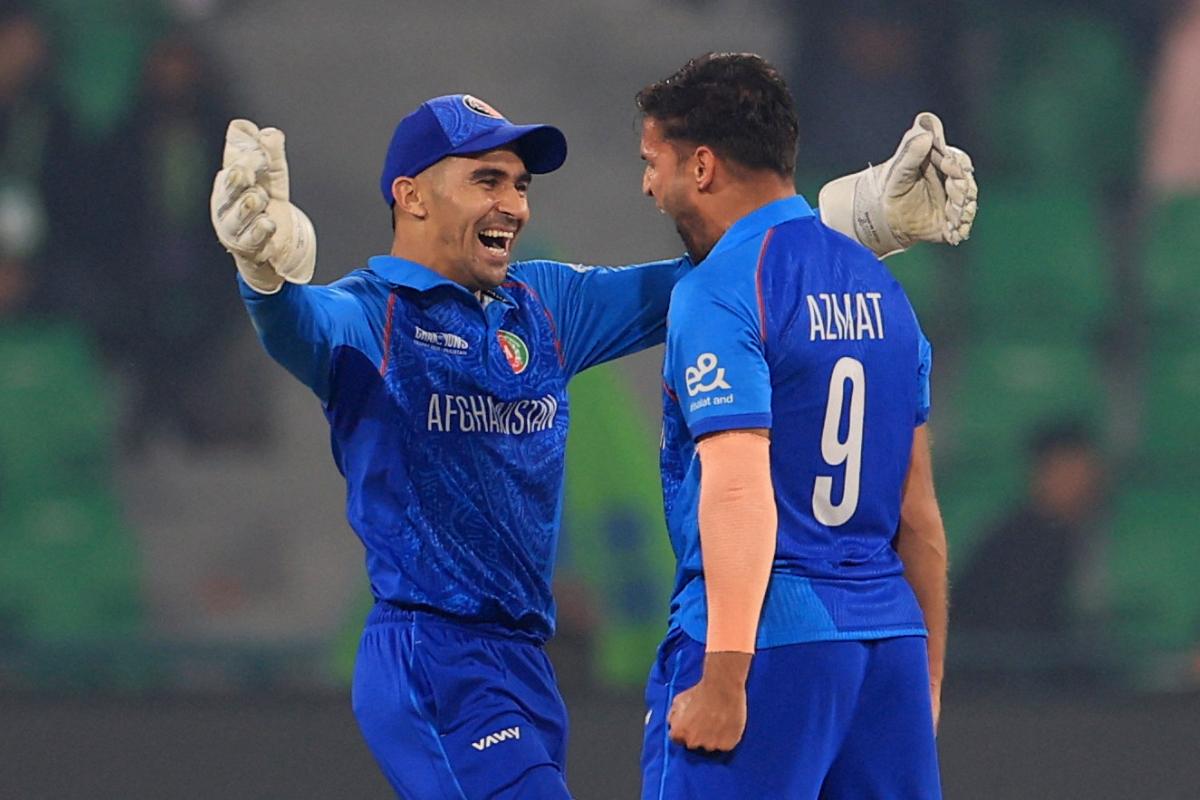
x: 448, y: 416
x: 791, y: 326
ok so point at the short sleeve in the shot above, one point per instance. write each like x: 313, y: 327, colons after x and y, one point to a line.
x: 716, y: 363
x: 924, y: 367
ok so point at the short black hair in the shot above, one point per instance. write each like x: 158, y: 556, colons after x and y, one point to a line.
x: 735, y: 103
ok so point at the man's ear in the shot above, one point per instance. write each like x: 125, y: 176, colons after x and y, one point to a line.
x: 704, y: 167
x: 409, y: 198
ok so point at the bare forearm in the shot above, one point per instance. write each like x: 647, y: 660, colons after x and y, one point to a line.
x: 738, y: 521
x: 923, y: 552
x: 921, y: 543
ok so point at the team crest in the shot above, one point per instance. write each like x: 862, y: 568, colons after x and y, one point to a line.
x: 480, y: 107
x: 515, y: 350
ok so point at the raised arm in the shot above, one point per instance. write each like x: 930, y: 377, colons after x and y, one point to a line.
x: 603, y: 313
x: 926, y: 192
x: 270, y: 239
x: 301, y: 326
x: 274, y: 248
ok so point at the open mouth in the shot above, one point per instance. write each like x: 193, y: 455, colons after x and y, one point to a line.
x: 497, y: 242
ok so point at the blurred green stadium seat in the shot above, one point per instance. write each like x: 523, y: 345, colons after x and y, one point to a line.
x: 56, y: 418
x: 919, y: 270
x: 1065, y: 99
x: 70, y: 571
x: 1154, y: 564
x: 1037, y: 268
x: 1171, y: 413
x: 1007, y: 389
x: 70, y: 567
x: 1170, y: 276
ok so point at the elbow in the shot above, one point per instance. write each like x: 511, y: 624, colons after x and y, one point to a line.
x: 923, y: 537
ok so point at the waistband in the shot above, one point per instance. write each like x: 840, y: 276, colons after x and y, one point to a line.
x: 385, y: 612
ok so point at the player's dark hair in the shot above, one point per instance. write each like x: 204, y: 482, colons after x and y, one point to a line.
x: 735, y: 103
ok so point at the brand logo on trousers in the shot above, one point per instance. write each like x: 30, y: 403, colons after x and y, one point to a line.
x: 497, y: 737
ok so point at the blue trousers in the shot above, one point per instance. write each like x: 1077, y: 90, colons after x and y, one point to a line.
x: 842, y: 720
x: 452, y: 712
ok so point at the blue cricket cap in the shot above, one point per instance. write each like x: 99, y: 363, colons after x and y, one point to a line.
x: 457, y: 124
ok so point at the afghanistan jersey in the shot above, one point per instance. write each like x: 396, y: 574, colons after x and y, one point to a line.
x: 448, y: 416
x: 789, y: 325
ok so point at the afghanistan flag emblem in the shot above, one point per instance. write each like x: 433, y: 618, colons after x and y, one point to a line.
x: 515, y: 350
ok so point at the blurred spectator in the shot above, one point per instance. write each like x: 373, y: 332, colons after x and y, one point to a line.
x: 1172, y: 156
x: 34, y: 143
x: 177, y: 317
x: 1031, y: 570
x: 101, y: 47
x: 865, y: 69
x: 51, y: 225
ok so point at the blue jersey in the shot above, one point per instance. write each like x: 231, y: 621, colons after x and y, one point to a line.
x: 789, y: 325
x: 448, y: 416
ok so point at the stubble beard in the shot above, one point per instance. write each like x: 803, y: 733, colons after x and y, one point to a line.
x: 690, y: 228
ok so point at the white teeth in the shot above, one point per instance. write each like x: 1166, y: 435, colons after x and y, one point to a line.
x: 505, y: 237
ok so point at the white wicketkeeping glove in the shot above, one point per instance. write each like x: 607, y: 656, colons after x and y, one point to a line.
x: 926, y: 192
x: 270, y: 239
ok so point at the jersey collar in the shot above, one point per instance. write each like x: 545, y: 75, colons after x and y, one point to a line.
x: 402, y: 272
x: 759, y: 221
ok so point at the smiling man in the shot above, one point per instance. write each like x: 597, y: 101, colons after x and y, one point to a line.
x: 442, y: 369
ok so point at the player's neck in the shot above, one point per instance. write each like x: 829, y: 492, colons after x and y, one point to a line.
x: 417, y: 249
x: 734, y: 201
x: 744, y: 198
